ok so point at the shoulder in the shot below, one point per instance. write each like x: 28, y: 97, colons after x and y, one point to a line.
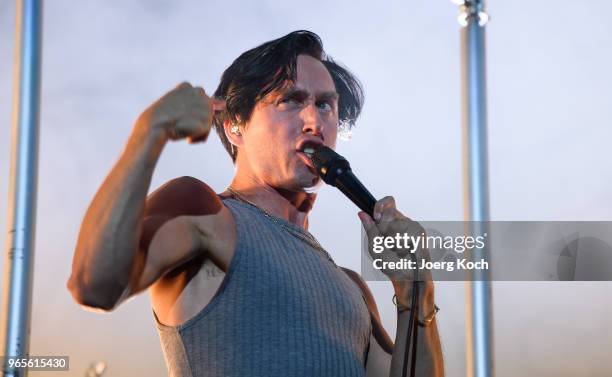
x: 378, y: 331
x: 183, y: 196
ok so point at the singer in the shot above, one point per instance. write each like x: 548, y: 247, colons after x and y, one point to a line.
x: 238, y: 285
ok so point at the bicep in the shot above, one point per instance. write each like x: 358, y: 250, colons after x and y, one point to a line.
x: 175, y: 242
x: 166, y: 239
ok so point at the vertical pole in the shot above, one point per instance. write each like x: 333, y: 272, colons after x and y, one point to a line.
x: 23, y: 182
x: 479, y: 333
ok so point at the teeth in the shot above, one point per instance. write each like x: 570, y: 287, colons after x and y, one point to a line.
x: 309, y: 151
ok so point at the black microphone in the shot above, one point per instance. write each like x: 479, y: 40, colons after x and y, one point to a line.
x: 336, y: 171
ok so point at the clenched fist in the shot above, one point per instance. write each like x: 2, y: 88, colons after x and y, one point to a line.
x: 184, y: 112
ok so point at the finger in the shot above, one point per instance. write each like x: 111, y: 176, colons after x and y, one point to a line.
x: 369, y: 225
x: 184, y: 85
x: 201, y: 129
x: 175, y: 134
x: 200, y: 113
x: 197, y: 139
x: 217, y: 104
x: 388, y: 214
x: 380, y: 206
x: 199, y: 91
x: 189, y: 126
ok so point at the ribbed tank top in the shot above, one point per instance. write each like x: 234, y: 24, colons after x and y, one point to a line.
x: 282, y: 309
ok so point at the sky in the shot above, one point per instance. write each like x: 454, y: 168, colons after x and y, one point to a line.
x: 549, y: 117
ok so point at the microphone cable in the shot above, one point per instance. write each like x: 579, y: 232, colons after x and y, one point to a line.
x: 411, y: 343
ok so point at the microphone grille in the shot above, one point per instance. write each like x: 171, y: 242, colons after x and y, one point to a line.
x: 327, y: 162
x: 324, y: 156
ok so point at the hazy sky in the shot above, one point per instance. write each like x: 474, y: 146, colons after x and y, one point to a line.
x: 550, y: 111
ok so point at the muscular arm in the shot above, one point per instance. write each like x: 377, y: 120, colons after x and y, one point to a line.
x: 109, y: 257
x: 109, y: 235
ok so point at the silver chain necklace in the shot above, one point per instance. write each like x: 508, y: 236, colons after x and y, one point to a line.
x: 306, y: 238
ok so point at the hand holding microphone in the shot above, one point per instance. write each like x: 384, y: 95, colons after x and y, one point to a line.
x: 380, y: 218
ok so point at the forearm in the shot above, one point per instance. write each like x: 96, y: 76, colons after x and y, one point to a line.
x: 429, y: 360
x: 108, y: 239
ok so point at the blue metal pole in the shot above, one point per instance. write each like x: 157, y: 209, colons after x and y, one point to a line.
x: 479, y: 332
x: 23, y: 182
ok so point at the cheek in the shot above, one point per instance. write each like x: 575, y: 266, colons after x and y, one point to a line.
x: 265, y: 132
x: 265, y: 147
x: 270, y: 143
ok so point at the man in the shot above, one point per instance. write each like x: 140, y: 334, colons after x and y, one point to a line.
x: 238, y: 286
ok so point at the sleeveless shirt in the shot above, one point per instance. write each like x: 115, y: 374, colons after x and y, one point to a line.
x: 282, y: 309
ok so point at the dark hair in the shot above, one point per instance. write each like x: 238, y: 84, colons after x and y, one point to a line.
x: 268, y: 67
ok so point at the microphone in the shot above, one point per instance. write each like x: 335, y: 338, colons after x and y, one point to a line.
x: 335, y: 170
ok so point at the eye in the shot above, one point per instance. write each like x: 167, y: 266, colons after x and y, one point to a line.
x: 288, y: 102
x: 291, y: 98
x: 325, y: 106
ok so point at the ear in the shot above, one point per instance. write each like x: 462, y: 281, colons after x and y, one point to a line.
x: 234, y: 138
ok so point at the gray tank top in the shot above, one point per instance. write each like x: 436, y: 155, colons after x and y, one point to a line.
x: 283, y: 309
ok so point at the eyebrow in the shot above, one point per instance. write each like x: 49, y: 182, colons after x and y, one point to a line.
x: 301, y: 93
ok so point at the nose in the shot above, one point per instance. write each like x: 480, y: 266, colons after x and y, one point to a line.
x: 313, y: 123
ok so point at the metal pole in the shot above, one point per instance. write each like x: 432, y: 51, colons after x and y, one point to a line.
x: 479, y: 333
x: 23, y: 181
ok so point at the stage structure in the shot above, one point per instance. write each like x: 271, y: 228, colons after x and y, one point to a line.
x: 479, y: 335
x: 21, y: 220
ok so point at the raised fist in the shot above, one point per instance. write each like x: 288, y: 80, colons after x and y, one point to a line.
x: 184, y: 112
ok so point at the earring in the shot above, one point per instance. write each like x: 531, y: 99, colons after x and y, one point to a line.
x: 235, y: 129
x: 345, y: 131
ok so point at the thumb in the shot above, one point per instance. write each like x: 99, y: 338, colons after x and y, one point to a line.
x: 217, y: 104
x: 368, y: 224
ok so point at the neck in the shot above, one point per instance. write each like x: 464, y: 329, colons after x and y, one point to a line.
x: 289, y: 205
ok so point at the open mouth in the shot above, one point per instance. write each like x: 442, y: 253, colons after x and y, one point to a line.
x: 308, y: 147
x: 305, y: 156
x: 305, y: 151
x: 308, y: 150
